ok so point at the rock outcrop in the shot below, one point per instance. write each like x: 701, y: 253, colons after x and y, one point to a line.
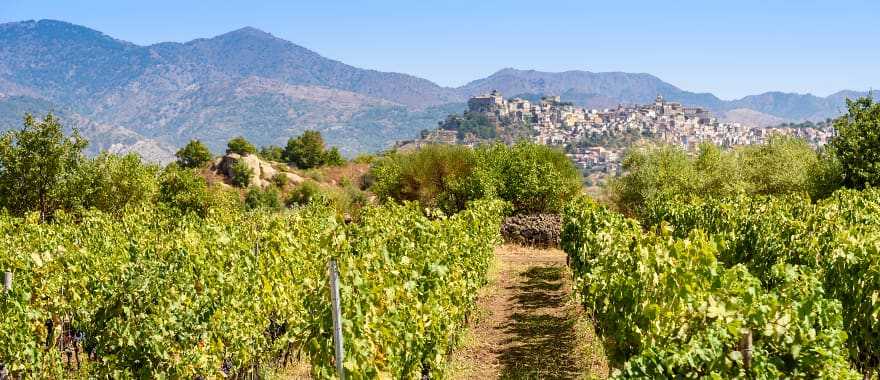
x: 263, y: 171
x: 539, y: 230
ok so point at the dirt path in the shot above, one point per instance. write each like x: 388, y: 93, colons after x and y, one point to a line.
x: 527, y: 326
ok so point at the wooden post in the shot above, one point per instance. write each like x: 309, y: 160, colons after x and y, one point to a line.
x: 7, y: 281
x: 746, y: 348
x: 337, y: 318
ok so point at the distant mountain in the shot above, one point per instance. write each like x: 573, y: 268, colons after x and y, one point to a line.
x: 603, y: 90
x: 245, y: 82
x: 586, y: 87
x: 153, y: 99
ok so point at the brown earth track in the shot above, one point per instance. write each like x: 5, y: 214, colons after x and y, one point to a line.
x: 527, y: 325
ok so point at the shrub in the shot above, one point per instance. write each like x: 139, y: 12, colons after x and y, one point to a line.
x: 442, y: 176
x: 193, y: 155
x: 279, y: 180
x: 332, y: 157
x: 782, y: 165
x: 263, y: 199
x: 534, y: 178
x: 242, y: 174
x: 304, y: 194
x: 184, y: 190
x: 111, y: 183
x: 240, y: 146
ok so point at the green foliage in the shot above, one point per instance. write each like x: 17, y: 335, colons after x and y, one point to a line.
x: 193, y: 155
x: 242, y: 174
x: 837, y: 239
x: 112, y: 183
x: 307, y: 151
x: 677, y: 308
x: 279, y: 180
x: 470, y: 123
x: 269, y: 199
x: 304, y: 194
x: 332, y: 157
x: 857, y: 144
x: 364, y: 158
x: 272, y: 153
x: 240, y: 145
x: 442, y: 176
x: 184, y: 190
x: 36, y: 164
x: 782, y: 165
x: 532, y: 177
x: 161, y: 295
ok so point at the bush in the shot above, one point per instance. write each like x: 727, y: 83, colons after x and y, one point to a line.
x: 780, y: 166
x: 240, y: 146
x: 441, y: 176
x: 534, y: 178
x: 184, y: 190
x: 332, y: 157
x: 241, y: 174
x: 193, y: 155
x: 111, y: 183
x: 306, y: 193
x: 857, y: 144
x: 279, y: 180
x: 257, y: 198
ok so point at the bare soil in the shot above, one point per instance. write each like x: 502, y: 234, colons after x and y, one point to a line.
x: 527, y: 325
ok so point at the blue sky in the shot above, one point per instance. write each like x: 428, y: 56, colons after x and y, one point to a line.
x: 729, y: 48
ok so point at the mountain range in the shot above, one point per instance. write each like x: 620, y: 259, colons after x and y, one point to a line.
x: 152, y: 99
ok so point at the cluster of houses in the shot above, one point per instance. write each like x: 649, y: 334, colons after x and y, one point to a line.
x: 558, y: 123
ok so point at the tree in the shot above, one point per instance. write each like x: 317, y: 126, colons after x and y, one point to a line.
x: 857, y: 144
x: 333, y: 158
x: 272, y: 153
x: 193, y: 155
x: 35, y: 162
x: 306, y: 151
x: 240, y: 146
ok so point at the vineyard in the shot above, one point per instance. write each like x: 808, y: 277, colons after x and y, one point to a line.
x: 758, y: 287
x: 152, y: 295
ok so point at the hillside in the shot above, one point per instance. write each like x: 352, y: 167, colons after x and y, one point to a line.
x: 152, y: 99
x: 604, y: 90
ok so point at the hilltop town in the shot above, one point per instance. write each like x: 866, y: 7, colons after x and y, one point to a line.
x: 596, y: 139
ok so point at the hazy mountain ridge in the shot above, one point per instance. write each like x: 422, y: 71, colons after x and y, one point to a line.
x: 248, y: 82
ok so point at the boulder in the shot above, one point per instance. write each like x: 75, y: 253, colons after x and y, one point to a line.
x: 294, y: 179
x: 262, y: 170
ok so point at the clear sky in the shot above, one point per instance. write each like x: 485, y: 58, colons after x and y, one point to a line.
x: 730, y: 48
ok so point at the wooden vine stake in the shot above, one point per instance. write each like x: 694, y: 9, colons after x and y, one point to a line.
x: 7, y: 281
x: 745, y: 346
x: 337, y: 318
